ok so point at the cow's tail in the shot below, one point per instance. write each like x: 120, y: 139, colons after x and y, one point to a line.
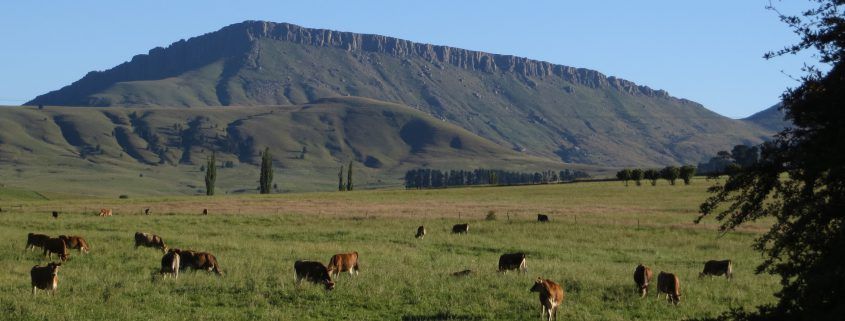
x: 216, y: 267
x: 84, y: 245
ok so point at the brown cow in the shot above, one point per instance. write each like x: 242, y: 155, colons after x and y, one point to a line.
x: 543, y: 218
x: 420, y: 232
x: 312, y: 271
x: 460, y: 228
x: 199, y: 261
x: 45, y: 277
x: 105, y: 212
x: 668, y: 283
x: 512, y: 261
x: 35, y: 240
x: 343, y: 262
x: 76, y: 242
x: 551, y: 296
x: 718, y: 268
x: 149, y: 240
x: 205, y: 211
x: 55, y: 245
x: 170, y: 264
x: 642, y: 276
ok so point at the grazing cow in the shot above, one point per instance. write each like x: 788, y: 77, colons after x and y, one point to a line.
x: 76, y: 242
x: 718, y: 268
x: 543, y: 218
x: 199, y: 261
x: 463, y: 273
x: 149, y: 240
x: 668, y: 283
x: 460, y: 228
x: 642, y: 276
x: 35, y: 240
x: 55, y: 214
x: 45, y: 277
x: 205, y: 211
x: 551, y: 296
x: 343, y: 262
x: 105, y: 212
x: 55, y: 245
x: 170, y: 263
x: 512, y: 261
x: 312, y: 271
x: 420, y: 232
x: 146, y: 211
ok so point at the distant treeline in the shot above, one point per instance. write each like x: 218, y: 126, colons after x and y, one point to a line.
x: 669, y: 173
x: 435, y: 178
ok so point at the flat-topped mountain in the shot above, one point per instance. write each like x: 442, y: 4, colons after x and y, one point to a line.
x: 533, y: 107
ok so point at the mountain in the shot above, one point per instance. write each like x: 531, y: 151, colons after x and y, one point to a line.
x: 160, y: 150
x: 771, y: 118
x: 558, y: 112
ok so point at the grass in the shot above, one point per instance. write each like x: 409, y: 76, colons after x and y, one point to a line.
x: 599, y: 232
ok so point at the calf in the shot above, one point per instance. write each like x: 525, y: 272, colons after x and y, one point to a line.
x: 170, y: 264
x: 343, y: 262
x: 199, y: 261
x: 718, y: 268
x: 668, y: 283
x: 460, y: 228
x: 543, y: 218
x: 55, y: 214
x: 312, y: 271
x: 105, y: 212
x: 642, y: 276
x: 205, y: 211
x: 551, y: 296
x: 55, y: 245
x: 35, y: 240
x: 512, y: 261
x: 76, y: 242
x: 149, y: 240
x: 146, y: 211
x: 45, y: 277
x: 420, y: 232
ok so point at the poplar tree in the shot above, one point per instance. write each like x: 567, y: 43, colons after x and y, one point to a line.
x: 266, y: 178
x: 210, y: 174
x: 349, y: 177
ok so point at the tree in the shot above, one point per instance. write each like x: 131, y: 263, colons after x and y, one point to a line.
x: 349, y: 177
x: 340, y: 179
x: 671, y: 174
x: 624, y: 175
x: 799, y: 181
x: 687, y: 173
x: 652, y: 175
x: 744, y: 155
x: 302, y: 153
x: 266, y: 179
x: 210, y: 174
x: 637, y: 175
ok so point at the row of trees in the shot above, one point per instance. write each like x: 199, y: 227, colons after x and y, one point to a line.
x: 741, y: 156
x: 669, y: 173
x: 265, y: 179
x: 435, y: 178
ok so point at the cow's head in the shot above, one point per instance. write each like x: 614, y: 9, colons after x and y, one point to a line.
x: 329, y: 284
x: 539, y: 285
x: 54, y: 268
x: 164, y: 247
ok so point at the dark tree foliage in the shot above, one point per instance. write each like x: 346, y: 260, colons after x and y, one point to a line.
x: 266, y: 178
x: 687, y: 173
x: 624, y: 175
x: 434, y: 178
x: 671, y: 174
x: 210, y: 174
x: 637, y: 175
x: 799, y: 181
x: 652, y: 175
x: 340, y: 186
x: 349, y: 177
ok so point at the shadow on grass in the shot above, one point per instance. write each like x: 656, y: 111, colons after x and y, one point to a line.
x: 441, y: 316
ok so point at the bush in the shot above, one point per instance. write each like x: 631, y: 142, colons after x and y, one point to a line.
x: 123, y: 196
x: 491, y: 215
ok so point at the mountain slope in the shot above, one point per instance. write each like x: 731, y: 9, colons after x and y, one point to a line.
x: 771, y: 118
x: 543, y: 109
x: 160, y: 150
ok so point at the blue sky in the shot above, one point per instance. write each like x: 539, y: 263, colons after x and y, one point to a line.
x: 706, y: 51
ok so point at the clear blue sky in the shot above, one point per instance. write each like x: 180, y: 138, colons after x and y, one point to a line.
x: 706, y: 51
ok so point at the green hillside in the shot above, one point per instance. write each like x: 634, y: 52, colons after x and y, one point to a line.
x: 539, y: 108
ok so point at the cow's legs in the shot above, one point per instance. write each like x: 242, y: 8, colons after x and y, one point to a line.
x: 34, y: 290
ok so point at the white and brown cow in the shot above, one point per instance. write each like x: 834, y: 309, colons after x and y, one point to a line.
x: 149, y: 240
x: 344, y: 262
x: 642, y: 277
x: 45, y: 277
x: 551, y: 296
x: 105, y: 212
x: 512, y: 261
x: 420, y: 232
x: 314, y: 272
x: 668, y: 283
x: 170, y: 264
x: 460, y: 228
x: 76, y: 242
x: 718, y: 268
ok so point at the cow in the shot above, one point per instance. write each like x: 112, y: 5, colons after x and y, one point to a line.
x: 199, y: 261
x: 149, y: 240
x: 45, y: 277
x: 642, y: 276
x: 76, y: 242
x: 146, y: 211
x: 35, y: 240
x: 420, y: 232
x: 718, y: 268
x: 205, y: 211
x: 512, y: 261
x: 55, y: 245
x: 105, y: 212
x: 551, y: 296
x: 668, y: 283
x: 170, y: 264
x: 460, y: 228
x: 342, y: 263
x: 55, y: 214
x: 542, y: 218
x: 312, y: 271
x: 462, y: 273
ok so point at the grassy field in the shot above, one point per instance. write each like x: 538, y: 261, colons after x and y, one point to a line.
x: 598, y: 234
